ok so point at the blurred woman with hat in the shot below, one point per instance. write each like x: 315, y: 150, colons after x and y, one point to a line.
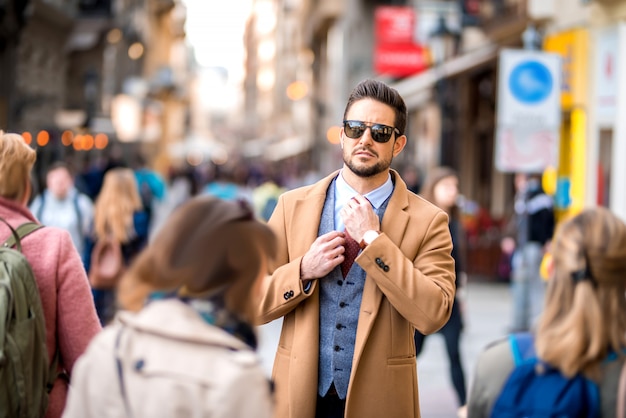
x: 184, y: 344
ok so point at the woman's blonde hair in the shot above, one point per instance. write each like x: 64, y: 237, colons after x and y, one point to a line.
x: 16, y: 162
x: 584, y: 315
x: 115, y: 205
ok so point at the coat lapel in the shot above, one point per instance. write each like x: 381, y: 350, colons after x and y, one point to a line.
x: 306, y: 224
x: 304, y: 230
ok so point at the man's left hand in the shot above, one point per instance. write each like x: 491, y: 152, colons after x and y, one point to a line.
x: 358, y: 216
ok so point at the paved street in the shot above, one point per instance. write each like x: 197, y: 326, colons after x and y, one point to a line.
x: 487, y: 317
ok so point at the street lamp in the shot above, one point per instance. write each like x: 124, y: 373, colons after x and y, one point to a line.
x: 442, y: 42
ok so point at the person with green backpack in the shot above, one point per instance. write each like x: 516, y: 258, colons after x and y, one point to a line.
x: 47, y: 315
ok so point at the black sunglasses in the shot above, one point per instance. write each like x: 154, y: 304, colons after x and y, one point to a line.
x: 380, y: 133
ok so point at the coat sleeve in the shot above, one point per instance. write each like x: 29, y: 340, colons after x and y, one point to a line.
x: 421, y: 289
x: 77, y: 321
x: 94, y: 389
x: 281, y: 289
x: 493, y: 367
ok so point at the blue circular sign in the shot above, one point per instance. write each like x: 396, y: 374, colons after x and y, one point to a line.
x: 530, y: 82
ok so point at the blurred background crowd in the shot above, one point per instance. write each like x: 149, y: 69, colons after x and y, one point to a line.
x: 243, y: 99
x: 252, y: 90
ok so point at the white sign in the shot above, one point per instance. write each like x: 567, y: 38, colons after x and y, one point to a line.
x: 529, y: 111
x: 606, y: 75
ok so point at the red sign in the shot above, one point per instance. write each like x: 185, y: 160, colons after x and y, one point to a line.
x: 394, y: 24
x: 400, y: 60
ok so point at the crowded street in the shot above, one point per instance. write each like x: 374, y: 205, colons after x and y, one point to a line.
x: 424, y: 201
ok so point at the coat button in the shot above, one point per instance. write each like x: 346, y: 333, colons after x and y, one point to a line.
x: 339, y: 282
x: 291, y: 293
x: 139, y: 364
x: 386, y: 268
x: 286, y: 295
x: 338, y: 326
x: 342, y: 304
x: 337, y: 348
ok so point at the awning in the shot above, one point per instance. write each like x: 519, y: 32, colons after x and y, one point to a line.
x: 416, y: 89
x: 287, y: 147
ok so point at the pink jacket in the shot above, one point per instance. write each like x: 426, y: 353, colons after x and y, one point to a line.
x: 71, y: 320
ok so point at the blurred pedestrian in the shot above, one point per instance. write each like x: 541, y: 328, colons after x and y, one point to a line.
x: 118, y: 213
x: 441, y: 187
x: 186, y: 345
x: 529, y: 232
x: 228, y: 183
x: 69, y: 313
x: 346, y: 347
x: 63, y: 206
x: 582, y: 326
x: 152, y: 189
x: 412, y: 176
x: 265, y: 197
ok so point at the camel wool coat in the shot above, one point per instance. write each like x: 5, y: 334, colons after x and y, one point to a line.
x: 416, y: 290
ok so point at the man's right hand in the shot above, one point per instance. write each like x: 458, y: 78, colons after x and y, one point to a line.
x: 325, y: 254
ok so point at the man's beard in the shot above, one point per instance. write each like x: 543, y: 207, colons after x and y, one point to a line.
x: 368, y: 171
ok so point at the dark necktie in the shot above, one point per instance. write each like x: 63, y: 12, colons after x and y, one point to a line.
x: 352, y: 250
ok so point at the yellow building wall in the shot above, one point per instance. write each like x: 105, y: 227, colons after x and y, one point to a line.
x: 573, y: 47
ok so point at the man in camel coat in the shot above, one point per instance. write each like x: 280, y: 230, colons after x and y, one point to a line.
x: 346, y: 348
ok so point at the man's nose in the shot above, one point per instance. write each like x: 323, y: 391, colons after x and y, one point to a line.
x: 367, y: 135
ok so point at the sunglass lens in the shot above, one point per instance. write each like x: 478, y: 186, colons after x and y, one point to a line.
x: 354, y: 129
x: 381, y: 133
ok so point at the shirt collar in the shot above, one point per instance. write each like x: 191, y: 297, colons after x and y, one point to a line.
x: 376, y: 197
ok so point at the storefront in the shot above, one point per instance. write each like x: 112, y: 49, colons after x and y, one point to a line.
x: 607, y: 180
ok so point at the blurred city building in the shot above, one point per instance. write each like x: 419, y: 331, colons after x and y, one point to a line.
x: 83, y: 77
x: 442, y: 56
x: 278, y: 104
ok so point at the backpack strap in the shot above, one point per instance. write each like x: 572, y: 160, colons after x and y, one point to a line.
x: 15, y: 240
x: 522, y: 347
x: 79, y: 214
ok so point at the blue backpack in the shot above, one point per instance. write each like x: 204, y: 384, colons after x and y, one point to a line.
x: 537, y: 390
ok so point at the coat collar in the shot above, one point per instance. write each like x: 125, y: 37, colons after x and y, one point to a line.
x: 393, y: 225
x: 174, y: 319
x: 11, y: 207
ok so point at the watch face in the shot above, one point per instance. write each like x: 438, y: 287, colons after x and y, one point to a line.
x: 370, y: 236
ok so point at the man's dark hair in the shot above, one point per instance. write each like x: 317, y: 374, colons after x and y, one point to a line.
x: 379, y: 91
x: 60, y: 164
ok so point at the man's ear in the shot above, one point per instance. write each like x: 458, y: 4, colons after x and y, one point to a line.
x: 399, y: 144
